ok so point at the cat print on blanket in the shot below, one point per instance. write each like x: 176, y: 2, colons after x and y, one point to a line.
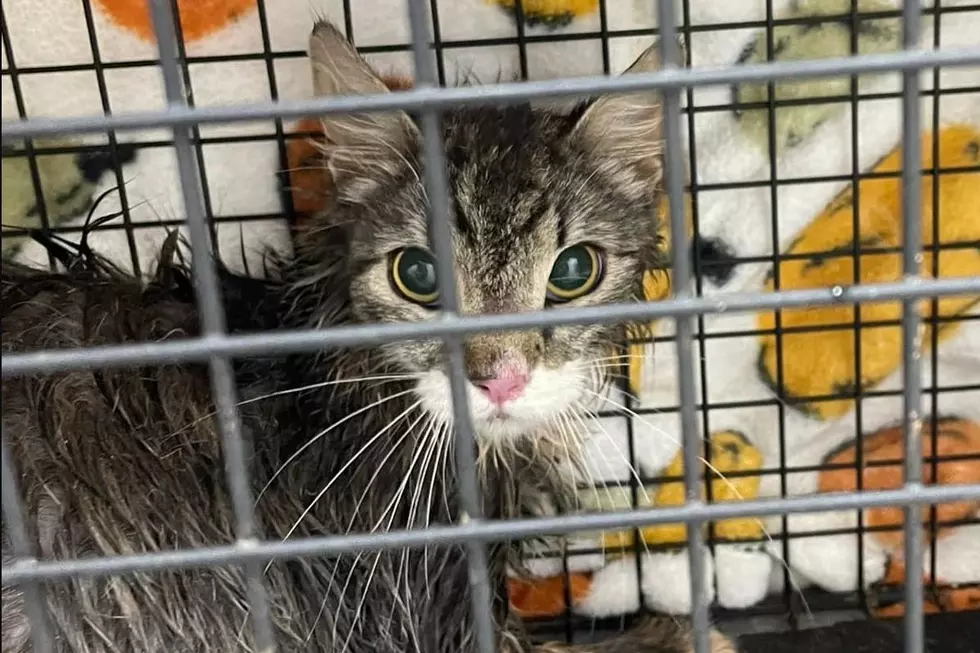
x: 816, y: 37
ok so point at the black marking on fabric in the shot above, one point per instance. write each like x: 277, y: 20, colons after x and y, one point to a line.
x: 820, y: 258
x: 547, y: 21
x: 716, y: 258
x: 973, y: 150
x: 795, y: 403
x: 68, y: 195
x: 95, y: 163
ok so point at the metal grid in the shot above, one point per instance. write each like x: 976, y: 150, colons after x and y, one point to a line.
x: 217, y: 347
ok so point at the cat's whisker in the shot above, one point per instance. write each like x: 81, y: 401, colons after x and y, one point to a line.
x: 450, y: 465
x: 384, y: 461
x: 574, y: 412
x: 724, y: 479
x: 433, y: 449
x: 422, y: 447
x: 367, y: 586
x: 357, y: 508
x: 283, y: 393
x: 438, y: 447
x: 744, y: 343
x: 357, y: 455
x: 357, y: 558
x: 322, y: 433
x: 564, y: 417
x: 441, y: 449
x: 350, y: 462
x: 638, y: 536
x: 314, y: 168
x: 621, y: 361
x: 605, y: 486
x: 619, y: 357
x: 353, y: 459
x: 420, y: 450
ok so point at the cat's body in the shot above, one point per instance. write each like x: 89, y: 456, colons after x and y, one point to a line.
x: 122, y: 462
x: 127, y: 461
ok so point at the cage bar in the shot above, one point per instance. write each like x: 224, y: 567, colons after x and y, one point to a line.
x: 516, y: 92
x: 281, y: 342
x: 856, y: 254
x: 911, y: 329
x: 440, y: 236
x: 934, y: 303
x: 776, y: 263
x: 208, y: 293
x: 489, y: 531
x: 712, y: 108
x: 22, y: 550
x: 684, y: 331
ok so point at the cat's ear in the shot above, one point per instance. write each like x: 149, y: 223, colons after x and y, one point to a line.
x: 360, y: 147
x: 625, y: 131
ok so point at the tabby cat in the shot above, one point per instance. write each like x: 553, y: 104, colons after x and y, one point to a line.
x: 549, y: 210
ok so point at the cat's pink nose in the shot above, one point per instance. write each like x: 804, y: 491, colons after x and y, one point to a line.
x: 502, y: 389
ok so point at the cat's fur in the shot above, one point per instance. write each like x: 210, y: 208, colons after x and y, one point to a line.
x: 129, y: 460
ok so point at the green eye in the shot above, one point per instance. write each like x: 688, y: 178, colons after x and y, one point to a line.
x: 576, y: 272
x: 413, y: 274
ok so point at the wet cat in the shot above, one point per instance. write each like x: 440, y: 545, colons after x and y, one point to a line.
x: 548, y: 209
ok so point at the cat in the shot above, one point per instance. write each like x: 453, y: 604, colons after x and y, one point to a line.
x: 549, y: 209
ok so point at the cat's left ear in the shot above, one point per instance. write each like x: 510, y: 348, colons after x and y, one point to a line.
x: 363, y: 150
x: 626, y: 130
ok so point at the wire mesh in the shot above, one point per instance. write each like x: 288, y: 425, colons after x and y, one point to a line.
x: 687, y: 306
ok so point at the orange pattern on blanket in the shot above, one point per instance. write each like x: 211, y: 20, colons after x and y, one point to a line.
x: 957, y: 463
x: 309, y: 184
x: 198, y: 18
x: 545, y: 597
x: 939, y: 598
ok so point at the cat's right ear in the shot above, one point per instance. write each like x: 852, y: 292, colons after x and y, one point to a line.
x: 361, y: 148
x: 624, y: 131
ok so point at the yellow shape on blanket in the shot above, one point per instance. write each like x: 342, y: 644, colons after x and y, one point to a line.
x: 731, y: 453
x: 822, y: 363
x: 656, y: 286
x: 552, y: 8
x: 656, y: 283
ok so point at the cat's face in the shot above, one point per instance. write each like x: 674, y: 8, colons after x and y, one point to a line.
x: 547, y: 211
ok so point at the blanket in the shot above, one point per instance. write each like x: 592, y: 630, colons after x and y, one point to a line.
x: 794, y: 397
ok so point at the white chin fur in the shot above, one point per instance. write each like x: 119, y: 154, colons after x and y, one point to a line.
x: 549, y: 393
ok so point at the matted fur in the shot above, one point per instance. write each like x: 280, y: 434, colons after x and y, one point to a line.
x: 129, y: 460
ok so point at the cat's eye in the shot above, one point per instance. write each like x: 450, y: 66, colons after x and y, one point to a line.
x: 413, y: 274
x: 576, y: 272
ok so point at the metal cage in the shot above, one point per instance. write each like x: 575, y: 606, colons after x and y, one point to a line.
x: 428, y: 98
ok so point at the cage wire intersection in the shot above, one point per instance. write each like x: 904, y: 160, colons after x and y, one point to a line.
x: 428, y: 97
